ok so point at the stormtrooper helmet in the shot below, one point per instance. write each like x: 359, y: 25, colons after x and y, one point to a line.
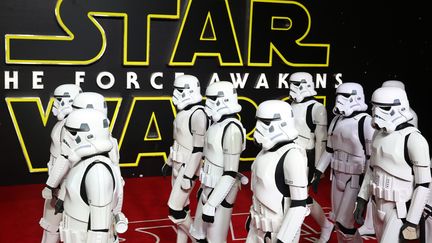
x: 86, y: 133
x: 221, y: 100
x: 301, y: 86
x: 187, y: 91
x: 90, y: 100
x: 64, y: 96
x: 393, y: 83
x: 390, y: 108
x: 349, y: 98
x: 275, y: 123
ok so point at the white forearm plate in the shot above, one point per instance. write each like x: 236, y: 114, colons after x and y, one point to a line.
x: 418, y: 202
x: 58, y: 172
x: 292, y: 224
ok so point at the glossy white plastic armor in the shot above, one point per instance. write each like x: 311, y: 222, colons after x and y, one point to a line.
x: 307, y: 138
x: 94, y: 100
x: 187, y: 91
x: 427, y: 216
x: 64, y: 96
x: 391, y: 179
x: 274, y: 127
x: 219, y: 177
x: 349, y: 98
x: 313, y: 141
x: 301, y: 86
x: 347, y: 156
x: 367, y: 227
x: 221, y: 100
x: 279, y: 177
x: 90, y: 100
x: 389, y: 112
x: 186, y: 153
x: 401, y: 85
x: 91, y: 183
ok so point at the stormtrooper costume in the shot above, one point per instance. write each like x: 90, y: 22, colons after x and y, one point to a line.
x: 93, y: 100
x: 279, y: 177
x: 311, y: 124
x: 91, y: 184
x: 64, y: 96
x: 224, y: 141
x: 367, y: 227
x: 399, y: 174
x: 348, y: 149
x: 186, y: 152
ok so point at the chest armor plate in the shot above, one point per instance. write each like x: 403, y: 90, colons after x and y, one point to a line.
x: 213, y: 150
x: 388, y: 153
x: 264, y: 184
x: 345, y: 137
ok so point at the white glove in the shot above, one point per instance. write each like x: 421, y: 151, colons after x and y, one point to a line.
x: 47, y: 193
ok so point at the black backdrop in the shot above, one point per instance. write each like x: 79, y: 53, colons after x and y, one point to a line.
x: 366, y: 43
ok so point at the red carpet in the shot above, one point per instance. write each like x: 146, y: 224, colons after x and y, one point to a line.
x: 145, y: 207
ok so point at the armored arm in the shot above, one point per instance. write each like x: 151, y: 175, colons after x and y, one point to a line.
x: 319, y: 114
x: 99, y: 187
x: 232, y: 146
x: 58, y: 172
x: 198, y: 127
x: 295, y: 172
x: 418, y: 151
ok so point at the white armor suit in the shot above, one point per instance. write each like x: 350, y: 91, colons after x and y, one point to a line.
x: 225, y: 140
x: 186, y: 152
x: 311, y: 123
x: 91, y: 183
x: 348, y: 149
x: 93, y: 100
x: 64, y: 96
x: 279, y: 177
x: 399, y: 174
x: 367, y: 227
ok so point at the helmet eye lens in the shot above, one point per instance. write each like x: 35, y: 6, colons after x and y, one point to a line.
x: 385, y: 108
x: 346, y: 95
x: 212, y: 98
x: 295, y: 83
x: 265, y: 121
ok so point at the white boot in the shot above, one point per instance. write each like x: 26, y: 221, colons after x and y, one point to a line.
x: 367, y: 227
x: 326, y: 231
